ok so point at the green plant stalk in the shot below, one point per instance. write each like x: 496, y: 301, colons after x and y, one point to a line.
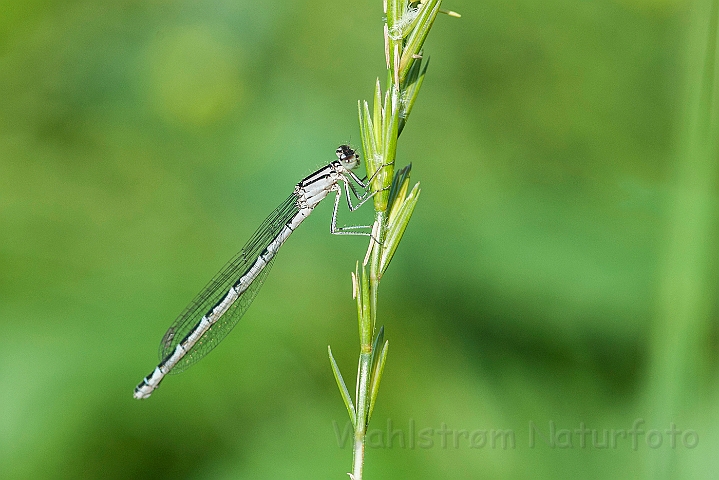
x: 375, y: 273
x: 408, y: 24
x: 367, y: 312
x: 363, y: 378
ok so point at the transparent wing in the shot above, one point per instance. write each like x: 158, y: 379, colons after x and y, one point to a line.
x: 219, y: 330
x: 217, y: 289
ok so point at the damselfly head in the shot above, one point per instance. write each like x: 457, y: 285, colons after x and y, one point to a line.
x: 348, y: 157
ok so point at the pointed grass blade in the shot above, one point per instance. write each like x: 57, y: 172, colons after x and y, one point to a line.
x: 397, y: 227
x: 343, y: 389
x: 398, y: 190
x: 376, y: 378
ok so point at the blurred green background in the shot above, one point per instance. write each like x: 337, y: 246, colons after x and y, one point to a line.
x: 559, y: 273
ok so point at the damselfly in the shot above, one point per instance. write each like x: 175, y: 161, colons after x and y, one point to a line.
x: 220, y: 305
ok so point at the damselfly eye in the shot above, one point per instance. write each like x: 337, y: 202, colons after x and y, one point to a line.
x: 348, y: 157
x: 344, y: 152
